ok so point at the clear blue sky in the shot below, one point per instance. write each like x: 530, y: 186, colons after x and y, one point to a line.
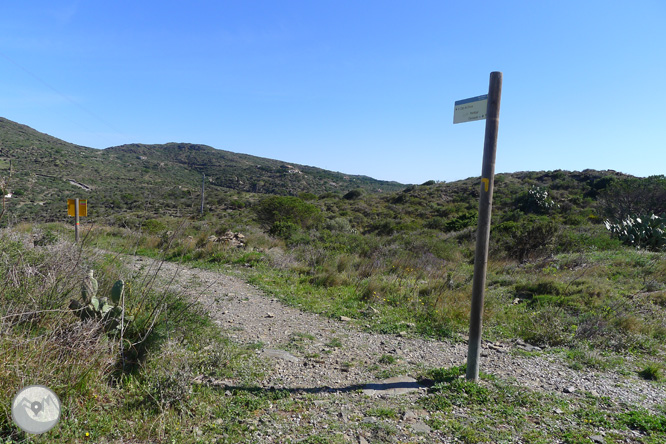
x: 361, y: 87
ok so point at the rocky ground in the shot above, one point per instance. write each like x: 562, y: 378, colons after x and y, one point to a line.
x: 343, y: 374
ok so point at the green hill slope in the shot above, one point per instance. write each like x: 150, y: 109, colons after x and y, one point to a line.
x: 154, y: 178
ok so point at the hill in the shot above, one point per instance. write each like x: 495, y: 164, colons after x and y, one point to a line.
x: 154, y: 178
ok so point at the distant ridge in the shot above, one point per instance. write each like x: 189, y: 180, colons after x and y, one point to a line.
x: 47, y: 171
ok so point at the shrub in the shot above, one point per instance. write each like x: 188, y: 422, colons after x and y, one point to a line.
x: 461, y: 222
x: 154, y: 226
x: 546, y: 327
x: 536, y: 201
x: 339, y: 224
x: 285, y: 230
x: 436, y: 223
x: 307, y: 196
x: 383, y: 227
x: 353, y: 194
x: 530, y: 238
x: 575, y: 220
x: 287, y: 209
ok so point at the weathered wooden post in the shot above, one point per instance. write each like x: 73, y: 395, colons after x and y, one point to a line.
x: 467, y: 112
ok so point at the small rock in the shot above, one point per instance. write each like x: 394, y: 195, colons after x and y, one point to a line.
x: 270, y: 315
x: 421, y: 427
x: 362, y: 440
x: 558, y: 411
x: 597, y: 439
x: 345, y: 319
x: 528, y: 348
x: 403, y: 334
x: 570, y: 389
x: 344, y: 413
x: 409, y: 416
x: 280, y: 354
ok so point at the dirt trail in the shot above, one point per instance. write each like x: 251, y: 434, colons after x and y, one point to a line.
x: 310, y: 354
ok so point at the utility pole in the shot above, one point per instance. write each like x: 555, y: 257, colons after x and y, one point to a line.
x: 483, y: 230
x: 203, y: 178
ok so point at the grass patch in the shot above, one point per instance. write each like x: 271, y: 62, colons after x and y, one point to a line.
x: 652, y: 372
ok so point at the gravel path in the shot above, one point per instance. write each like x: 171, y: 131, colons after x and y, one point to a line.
x: 332, y: 359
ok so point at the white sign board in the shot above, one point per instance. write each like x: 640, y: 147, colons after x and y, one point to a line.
x: 470, y: 109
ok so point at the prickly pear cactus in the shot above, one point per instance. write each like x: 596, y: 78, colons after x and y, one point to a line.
x: 101, y: 307
x: 89, y: 287
x: 117, y: 291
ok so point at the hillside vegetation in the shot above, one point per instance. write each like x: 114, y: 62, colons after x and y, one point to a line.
x: 557, y: 275
x: 576, y: 268
x: 156, y: 179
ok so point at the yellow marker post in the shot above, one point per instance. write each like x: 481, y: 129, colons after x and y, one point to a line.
x: 77, y: 208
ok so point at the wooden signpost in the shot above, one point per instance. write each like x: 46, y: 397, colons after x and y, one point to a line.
x: 467, y: 111
x: 77, y: 208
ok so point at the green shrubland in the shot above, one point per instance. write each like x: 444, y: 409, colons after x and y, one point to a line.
x: 557, y: 276
x: 394, y: 262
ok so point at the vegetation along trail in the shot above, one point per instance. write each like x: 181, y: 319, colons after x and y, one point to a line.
x: 346, y: 370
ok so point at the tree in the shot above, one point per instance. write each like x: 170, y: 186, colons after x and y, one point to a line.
x: 275, y: 212
x: 633, y: 196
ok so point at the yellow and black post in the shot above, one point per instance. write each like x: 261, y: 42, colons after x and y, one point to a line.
x: 76, y: 216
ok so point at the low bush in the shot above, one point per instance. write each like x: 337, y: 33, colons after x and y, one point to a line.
x: 531, y: 238
x: 536, y: 200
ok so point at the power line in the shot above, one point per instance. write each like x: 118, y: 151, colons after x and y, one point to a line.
x: 64, y: 96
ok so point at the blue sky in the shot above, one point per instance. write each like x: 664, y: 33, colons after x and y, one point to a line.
x: 361, y: 87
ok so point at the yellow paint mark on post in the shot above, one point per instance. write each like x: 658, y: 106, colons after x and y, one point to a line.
x: 486, y: 182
